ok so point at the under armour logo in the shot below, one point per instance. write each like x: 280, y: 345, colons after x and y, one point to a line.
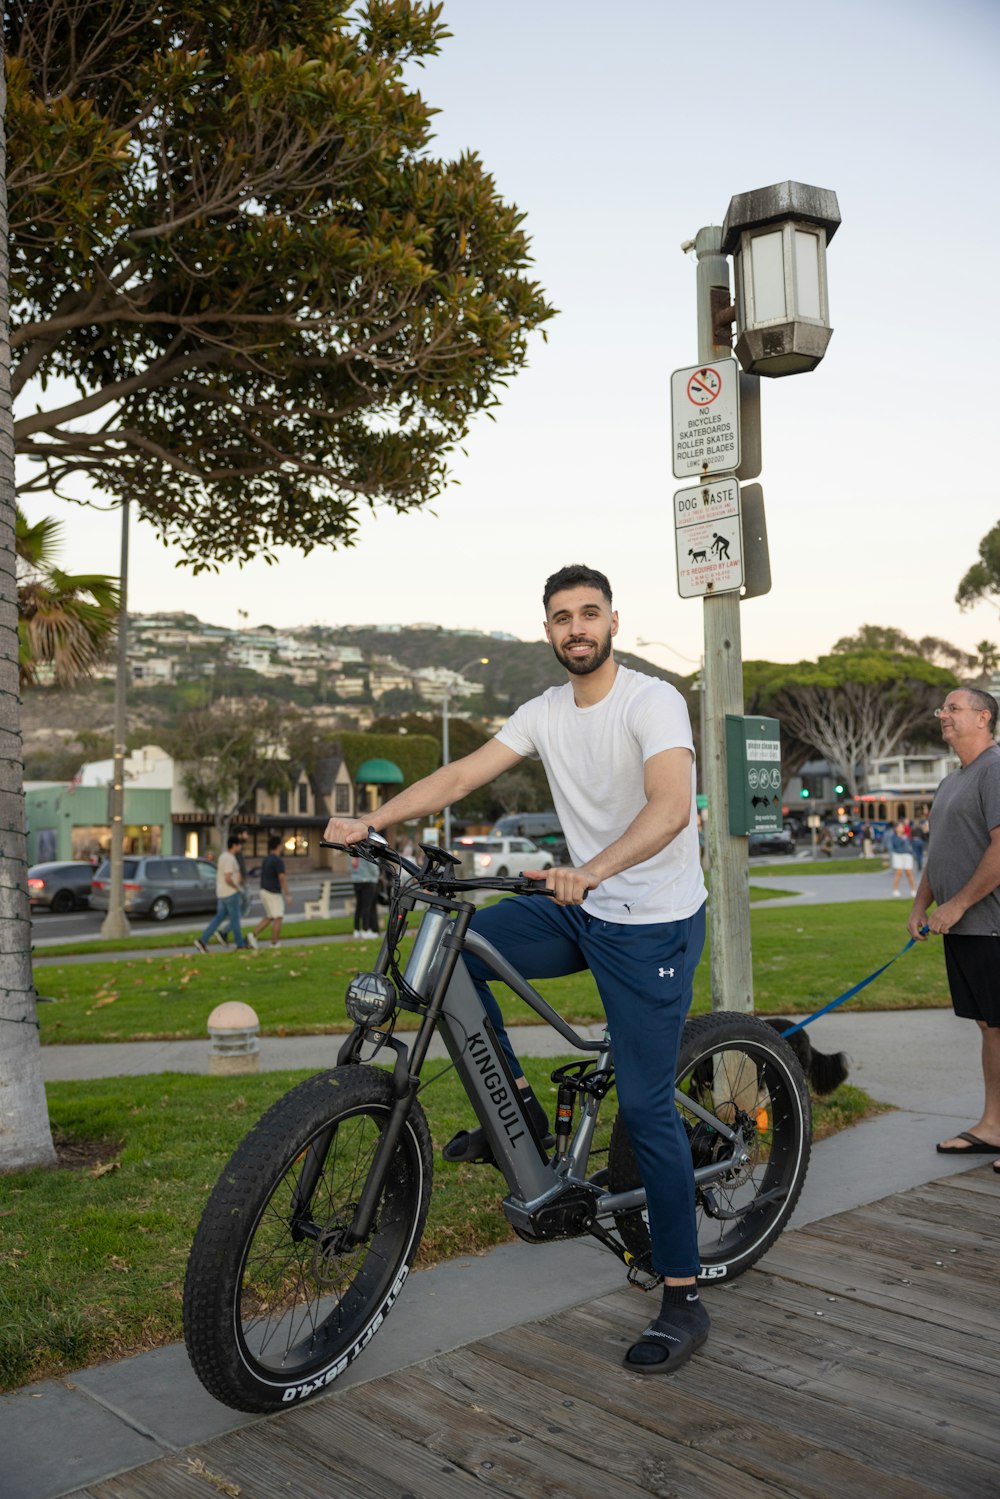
x: 666, y: 973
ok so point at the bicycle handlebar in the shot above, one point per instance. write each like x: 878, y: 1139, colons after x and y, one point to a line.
x: 374, y: 848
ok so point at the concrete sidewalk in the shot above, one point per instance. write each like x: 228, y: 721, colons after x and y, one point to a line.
x: 59, y: 1435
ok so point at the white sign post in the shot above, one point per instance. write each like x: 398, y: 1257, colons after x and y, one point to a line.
x: 705, y: 413
x: 709, y: 539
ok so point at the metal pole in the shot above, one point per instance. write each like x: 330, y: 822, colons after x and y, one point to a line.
x: 729, y: 903
x: 116, y: 923
x: 444, y: 761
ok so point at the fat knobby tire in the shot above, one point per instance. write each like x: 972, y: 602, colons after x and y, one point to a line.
x: 741, y: 1070
x: 276, y: 1303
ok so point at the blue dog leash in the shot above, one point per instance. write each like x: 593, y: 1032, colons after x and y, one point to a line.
x: 842, y: 998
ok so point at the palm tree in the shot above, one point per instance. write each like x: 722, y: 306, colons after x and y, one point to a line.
x: 25, y: 1135
x: 64, y: 620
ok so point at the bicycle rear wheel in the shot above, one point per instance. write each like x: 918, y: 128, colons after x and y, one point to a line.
x: 748, y: 1077
x: 276, y: 1302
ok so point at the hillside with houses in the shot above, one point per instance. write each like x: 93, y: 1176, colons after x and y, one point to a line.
x: 342, y: 677
x: 345, y: 715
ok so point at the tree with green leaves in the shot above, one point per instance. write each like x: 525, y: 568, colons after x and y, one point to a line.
x: 889, y: 639
x: 982, y: 581
x: 246, y: 294
x: 65, y: 620
x: 225, y: 752
x: 852, y: 708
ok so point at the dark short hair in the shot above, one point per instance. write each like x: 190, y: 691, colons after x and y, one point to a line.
x: 576, y: 575
x: 984, y: 702
x: 273, y: 842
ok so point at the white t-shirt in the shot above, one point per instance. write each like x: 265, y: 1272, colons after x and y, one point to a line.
x: 593, y: 758
x: 228, y: 864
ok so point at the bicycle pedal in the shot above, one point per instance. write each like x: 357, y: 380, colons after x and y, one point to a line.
x: 642, y: 1276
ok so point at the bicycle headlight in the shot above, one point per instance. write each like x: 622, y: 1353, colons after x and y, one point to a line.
x: 370, y: 999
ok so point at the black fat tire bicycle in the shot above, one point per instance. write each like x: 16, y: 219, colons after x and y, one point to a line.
x: 308, y: 1236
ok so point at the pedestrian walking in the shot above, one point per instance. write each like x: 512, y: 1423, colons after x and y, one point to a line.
x: 274, y: 892
x: 228, y: 883
x: 223, y: 934
x: 900, y: 858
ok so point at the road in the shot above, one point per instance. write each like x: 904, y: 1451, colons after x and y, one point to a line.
x: 79, y: 926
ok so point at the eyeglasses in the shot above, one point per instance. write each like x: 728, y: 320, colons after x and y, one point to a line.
x: 950, y: 708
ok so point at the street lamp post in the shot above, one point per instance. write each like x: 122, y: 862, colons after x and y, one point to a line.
x: 722, y: 693
x: 445, y: 746
x: 116, y: 923
x: 778, y: 237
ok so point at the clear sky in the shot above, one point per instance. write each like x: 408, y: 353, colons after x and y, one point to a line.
x: 620, y: 131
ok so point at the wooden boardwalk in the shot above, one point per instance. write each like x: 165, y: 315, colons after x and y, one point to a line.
x: 862, y: 1360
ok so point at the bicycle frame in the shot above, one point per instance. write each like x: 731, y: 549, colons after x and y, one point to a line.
x: 455, y: 1010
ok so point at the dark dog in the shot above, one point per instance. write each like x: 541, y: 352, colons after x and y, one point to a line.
x: 825, y: 1070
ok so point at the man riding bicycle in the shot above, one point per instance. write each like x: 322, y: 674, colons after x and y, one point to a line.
x: 617, y: 749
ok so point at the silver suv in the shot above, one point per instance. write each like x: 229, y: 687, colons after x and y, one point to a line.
x: 158, y: 885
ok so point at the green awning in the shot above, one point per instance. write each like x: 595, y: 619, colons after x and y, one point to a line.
x: 702, y: 802
x: 379, y: 773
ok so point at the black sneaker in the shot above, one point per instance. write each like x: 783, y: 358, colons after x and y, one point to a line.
x: 199, y: 946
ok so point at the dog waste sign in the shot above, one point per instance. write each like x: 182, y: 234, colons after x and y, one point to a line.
x: 705, y: 417
x: 709, y: 539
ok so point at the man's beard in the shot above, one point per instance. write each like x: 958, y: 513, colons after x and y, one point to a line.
x: 582, y: 666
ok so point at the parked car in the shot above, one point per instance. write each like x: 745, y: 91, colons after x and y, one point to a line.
x: 780, y: 842
x: 61, y: 887
x: 502, y: 855
x: 158, y: 886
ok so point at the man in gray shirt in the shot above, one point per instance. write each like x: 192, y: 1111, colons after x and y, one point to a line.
x: 962, y: 878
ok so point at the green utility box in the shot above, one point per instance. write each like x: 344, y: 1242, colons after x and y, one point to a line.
x: 753, y: 774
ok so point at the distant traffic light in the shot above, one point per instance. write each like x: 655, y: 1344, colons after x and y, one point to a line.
x: 839, y: 790
x: 804, y: 793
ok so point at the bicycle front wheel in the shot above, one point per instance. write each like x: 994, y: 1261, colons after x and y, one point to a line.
x: 742, y: 1072
x: 277, y: 1302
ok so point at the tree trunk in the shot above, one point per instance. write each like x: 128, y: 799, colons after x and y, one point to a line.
x: 25, y: 1136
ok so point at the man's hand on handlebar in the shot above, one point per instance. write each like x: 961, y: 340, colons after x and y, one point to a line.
x: 345, y: 830
x: 569, y: 886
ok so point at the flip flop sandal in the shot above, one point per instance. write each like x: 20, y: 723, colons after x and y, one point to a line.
x: 674, y: 1342
x: 976, y: 1146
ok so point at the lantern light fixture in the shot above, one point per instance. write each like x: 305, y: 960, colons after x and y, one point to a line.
x: 777, y: 237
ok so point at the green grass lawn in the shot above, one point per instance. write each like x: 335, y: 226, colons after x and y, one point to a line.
x: 802, y: 958
x: 92, y: 1258
x: 172, y: 936
x: 821, y: 866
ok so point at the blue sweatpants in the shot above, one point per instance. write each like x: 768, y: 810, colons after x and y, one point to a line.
x: 644, y: 975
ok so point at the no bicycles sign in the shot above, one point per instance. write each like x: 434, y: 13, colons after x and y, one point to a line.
x: 705, y: 412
